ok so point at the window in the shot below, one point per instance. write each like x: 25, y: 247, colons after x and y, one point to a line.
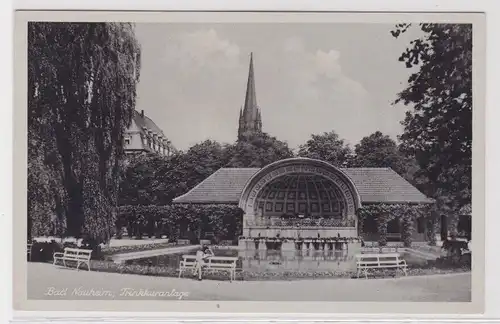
x: 127, y: 140
x: 269, y: 207
x: 302, y: 208
x: 278, y: 207
x: 314, y: 207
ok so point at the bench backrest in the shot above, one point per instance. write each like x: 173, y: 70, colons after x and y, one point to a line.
x: 221, y: 259
x: 212, y: 259
x: 378, y: 257
x: 78, y: 253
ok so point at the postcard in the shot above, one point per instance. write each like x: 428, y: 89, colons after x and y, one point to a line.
x: 239, y: 162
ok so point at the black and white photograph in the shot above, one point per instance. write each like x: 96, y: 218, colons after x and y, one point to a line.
x: 290, y: 161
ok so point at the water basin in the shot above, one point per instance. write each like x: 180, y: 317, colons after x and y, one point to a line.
x: 275, y: 260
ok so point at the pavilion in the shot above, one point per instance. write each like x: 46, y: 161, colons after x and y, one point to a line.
x: 302, y: 197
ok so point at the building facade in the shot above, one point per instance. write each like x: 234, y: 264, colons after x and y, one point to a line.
x: 306, y: 198
x: 144, y: 136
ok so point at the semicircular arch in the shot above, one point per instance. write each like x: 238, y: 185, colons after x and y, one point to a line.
x: 301, y: 166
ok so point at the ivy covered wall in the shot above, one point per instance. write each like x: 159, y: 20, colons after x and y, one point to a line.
x: 188, y: 221
x: 407, y: 215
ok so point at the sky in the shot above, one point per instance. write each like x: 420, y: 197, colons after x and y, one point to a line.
x: 309, y: 78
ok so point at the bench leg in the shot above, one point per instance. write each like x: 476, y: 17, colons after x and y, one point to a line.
x: 88, y: 265
x: 78, y: 265
x: 366, y: 273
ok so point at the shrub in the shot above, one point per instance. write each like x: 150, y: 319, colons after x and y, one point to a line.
x: 188, y: 221
x: 44, y: 251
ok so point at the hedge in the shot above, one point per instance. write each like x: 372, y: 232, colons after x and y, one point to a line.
x: 190, y: 221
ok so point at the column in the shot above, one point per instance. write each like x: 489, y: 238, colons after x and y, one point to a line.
x: 432, y: 229
x: 407, y: 229
x: 382, y: 229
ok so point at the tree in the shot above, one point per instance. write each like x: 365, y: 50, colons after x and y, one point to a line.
x: 257, y: 150
x: 381, y: 151
x: 328, y: 147
x: 45, y: 192
x: 157, y: 180
x: 81, y: 97
x: 203, y: 159
x: 140, y: 184
x: 438, y: 130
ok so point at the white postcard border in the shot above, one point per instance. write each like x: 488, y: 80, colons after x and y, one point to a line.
x: 479, y: 72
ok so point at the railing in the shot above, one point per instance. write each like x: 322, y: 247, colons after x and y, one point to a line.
x: 322, y: 222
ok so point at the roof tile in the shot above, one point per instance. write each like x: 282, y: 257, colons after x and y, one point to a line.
x: 373, y: 184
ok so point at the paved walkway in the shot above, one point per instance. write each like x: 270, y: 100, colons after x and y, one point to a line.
x: 122, y: 257
x: 132, y: 242
x: 44, y: 280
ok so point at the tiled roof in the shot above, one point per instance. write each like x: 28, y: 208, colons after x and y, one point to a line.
x: 223, y: 186
x: 384, y: 185
x: 373, y: 184
x: 145, y: 121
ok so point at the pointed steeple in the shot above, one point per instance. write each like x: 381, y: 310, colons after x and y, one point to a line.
x: 250, y: 108
x: 251, y: 121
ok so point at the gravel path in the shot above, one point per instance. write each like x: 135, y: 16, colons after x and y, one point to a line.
x: 46, y: 281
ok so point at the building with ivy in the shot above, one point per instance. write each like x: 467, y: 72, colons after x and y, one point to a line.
x: 306, y: 198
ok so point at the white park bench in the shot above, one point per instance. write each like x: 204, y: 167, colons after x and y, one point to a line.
x: 211, y: 264
x: 80, y: 256
x: 365, y: 262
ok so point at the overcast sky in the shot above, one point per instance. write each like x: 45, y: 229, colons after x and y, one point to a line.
x: 310, y: 79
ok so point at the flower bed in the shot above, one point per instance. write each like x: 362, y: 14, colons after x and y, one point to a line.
x: 245, y: 275
x: 318, y: 239
x: 43, y: 249
x: 139, y: 248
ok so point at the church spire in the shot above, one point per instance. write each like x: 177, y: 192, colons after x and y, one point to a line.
x: 251, y: 121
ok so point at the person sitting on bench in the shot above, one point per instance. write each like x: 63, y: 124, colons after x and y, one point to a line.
x: 201, y: 256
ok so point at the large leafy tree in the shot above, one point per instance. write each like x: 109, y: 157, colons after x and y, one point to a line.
x: 157, y: 180
x: 438, y: 128
x: 141, y: 183
x: 381, y: 151
x: 328, y: 147
x: 257, y: 150
x: 81, y: 96
x: 203, y: 159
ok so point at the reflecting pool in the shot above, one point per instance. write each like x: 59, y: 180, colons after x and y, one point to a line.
x: 276, y: 260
